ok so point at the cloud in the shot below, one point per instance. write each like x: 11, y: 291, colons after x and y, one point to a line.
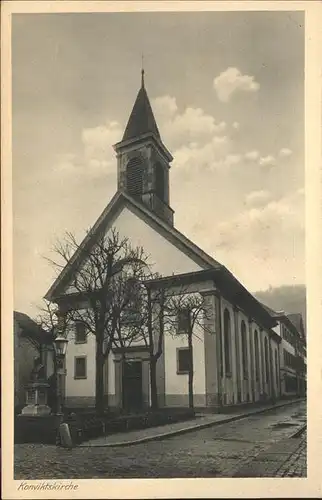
x: 257, y: 198
x: 98, y: 141
x: 272, y: 221
x: 266, y: 161
x: 270, y: 237
x: 285, y: 153
x: 181, y: 128
x: 164, y: 107
x: 231, y: 81
x: 97, y: 158
x: 212, y: 155
x: 252, y: 155
x: 236, y: 125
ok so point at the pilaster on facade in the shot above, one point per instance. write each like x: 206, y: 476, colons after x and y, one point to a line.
x: 234, y: 333
x: 252, y: 359
x: 212, y: 354
x: 238, y: 356
x: 262, y: 370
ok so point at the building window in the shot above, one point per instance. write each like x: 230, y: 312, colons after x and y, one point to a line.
x: 80, y: 333
x: 134, y: 177
x: 183, y: 321
x: 183, y: 360
x: 289, y: 359
x: 244, y: 349
x: 131, y: 313
x: 159, y: 181
x: 227, y: 342
x: 276, y: 368
x: 266, y: 360
x: 256, y: 355
x: 80, y: 367
x: 290, y: 384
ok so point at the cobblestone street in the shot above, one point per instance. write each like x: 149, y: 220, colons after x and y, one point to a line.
x: 295, y: 466
x: 219, y: 451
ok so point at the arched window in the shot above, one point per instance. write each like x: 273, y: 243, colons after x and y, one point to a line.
x: 159, y: 181
x: 256, y: 355
x: 244, y: 348
x: 227, y: 341
x: 134, y: 177
x: 266, y: 360
x: 276, y: 368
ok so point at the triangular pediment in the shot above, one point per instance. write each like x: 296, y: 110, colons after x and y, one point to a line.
x: 133, y: 220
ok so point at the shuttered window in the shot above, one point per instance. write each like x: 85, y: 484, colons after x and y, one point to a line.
x: 183, y: 360
x: 80, y: 367
x: 80, y: 333
x: 134, y: 177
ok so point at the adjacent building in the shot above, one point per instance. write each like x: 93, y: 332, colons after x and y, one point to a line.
x: 32, y: 345
x: 290, y: 328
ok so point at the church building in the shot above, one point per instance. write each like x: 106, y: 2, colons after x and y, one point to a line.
x: 236, y: 358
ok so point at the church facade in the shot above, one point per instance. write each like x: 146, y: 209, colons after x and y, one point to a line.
x: 236, y: 358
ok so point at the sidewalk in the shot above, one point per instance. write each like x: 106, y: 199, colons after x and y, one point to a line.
x: 200, y: 422
x: 287, y: 458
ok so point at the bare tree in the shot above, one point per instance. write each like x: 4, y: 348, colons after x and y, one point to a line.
x: 167, y: 310
x: 99, y: 291
x: 184, y: 312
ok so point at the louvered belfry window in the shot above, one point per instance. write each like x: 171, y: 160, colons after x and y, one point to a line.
x: 134, y: 177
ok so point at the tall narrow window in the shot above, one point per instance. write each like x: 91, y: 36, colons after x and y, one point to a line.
x: 276, y: 368
x: 183, y: 321
x: 256, y: 355
x: 227, y: 341
x: 244, y: 348
x: 159, y: 181
x: 183, y: 360
x: 134, y: 177
x: 266, y: 360
x: 80, y: 367
x: 132, y: 300
x: 80, y: 333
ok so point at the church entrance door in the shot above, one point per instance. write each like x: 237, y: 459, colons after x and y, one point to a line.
x: 132, y: 386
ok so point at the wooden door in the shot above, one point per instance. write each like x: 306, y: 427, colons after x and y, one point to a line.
x: 132, y: 386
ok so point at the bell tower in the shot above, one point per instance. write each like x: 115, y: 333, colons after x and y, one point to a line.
x: 143, y: 161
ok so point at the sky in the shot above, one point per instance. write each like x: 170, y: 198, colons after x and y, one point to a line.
x: 227, y: 90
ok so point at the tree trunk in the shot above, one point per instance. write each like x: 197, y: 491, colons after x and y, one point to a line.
x: 153, y: 382
x: 190, y: 375
x: 99, y: 382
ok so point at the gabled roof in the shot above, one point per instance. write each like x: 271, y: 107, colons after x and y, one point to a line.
x: 106, y: 219
x: 274, y: 314
x: 293, y: 321
x: 30, y: 329
x: 141, y: 120
x: 297, y: 320
x: 227, y: 284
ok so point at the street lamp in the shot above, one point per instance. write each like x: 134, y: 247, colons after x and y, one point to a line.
x: 60, y: 346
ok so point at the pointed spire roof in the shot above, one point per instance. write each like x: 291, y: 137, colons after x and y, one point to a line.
x: 141, y: 120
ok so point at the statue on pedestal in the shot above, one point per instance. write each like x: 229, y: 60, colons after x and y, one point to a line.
x: 36, y: 392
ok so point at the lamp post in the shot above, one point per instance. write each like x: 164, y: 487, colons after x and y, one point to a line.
x: 60, y: 346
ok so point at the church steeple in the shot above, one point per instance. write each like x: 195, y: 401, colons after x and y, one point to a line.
x: 143, y: 160
x: 141, y: 119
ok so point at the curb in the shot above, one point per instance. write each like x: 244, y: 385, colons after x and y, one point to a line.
x: 164, y: 435
x: 300, y: 431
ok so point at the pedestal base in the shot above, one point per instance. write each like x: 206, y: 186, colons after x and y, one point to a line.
x: 36, y: 410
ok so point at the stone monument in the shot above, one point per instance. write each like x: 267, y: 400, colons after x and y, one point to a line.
x: 37, y: 392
